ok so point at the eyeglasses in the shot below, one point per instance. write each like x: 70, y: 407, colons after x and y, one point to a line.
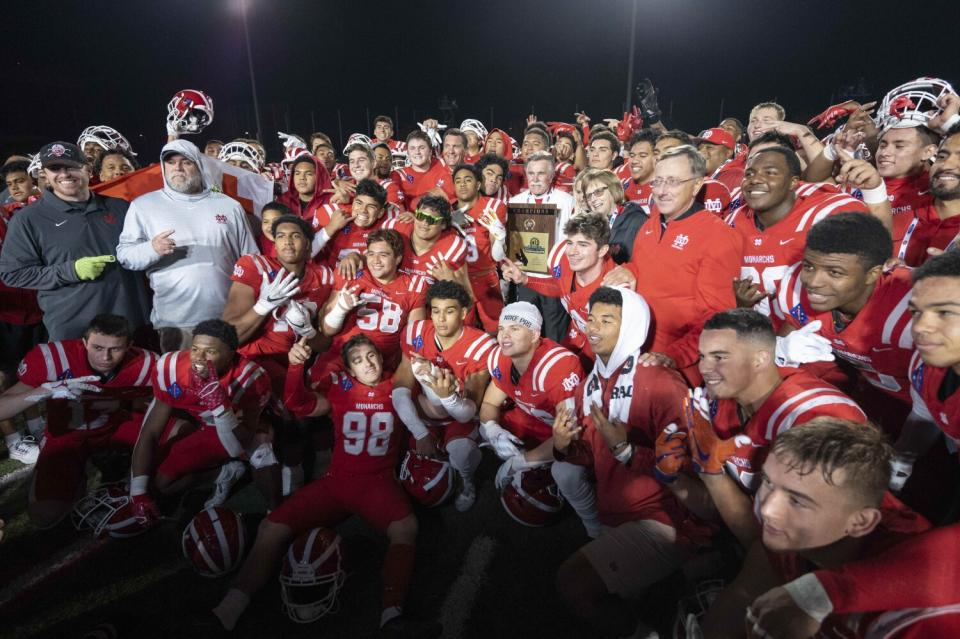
x: 423, y: 216
x: 596, y: 193
x: 671, y: 182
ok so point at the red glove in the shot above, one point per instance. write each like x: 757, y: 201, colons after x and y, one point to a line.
x: 672, y: 455
x: 707, y: 451
x: 145, y: 509
x: 210, y: 393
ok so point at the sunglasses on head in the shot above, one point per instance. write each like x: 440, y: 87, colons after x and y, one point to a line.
x: 429, y: 218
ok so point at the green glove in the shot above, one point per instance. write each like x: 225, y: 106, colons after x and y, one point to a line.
x: 90, y: 268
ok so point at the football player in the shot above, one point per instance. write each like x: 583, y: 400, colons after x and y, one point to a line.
x: 577, y: 267
x: 88, y: 385
x: 861, y: 308
x: 447, y: 360
x: 621, y: 409
x: 274, y: 301
x: 341, y: 231
x: 425, y: 173
x: 309, y: 188
x: 380, y: 302
x: 823, y: 504
x: 383, y: 132
x: 641, y: 161
x: 745, y: 404
x: 481, y: 221
x: 223, y: 395
x: 492, y: 169
x: 539, y: 376
x: 717, y: 146
x: 774, y: 222
x: 939, y: 221
x: 432, y: 249
x: 359, y: 481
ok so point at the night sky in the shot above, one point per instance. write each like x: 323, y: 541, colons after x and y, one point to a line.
x: 71, y: 64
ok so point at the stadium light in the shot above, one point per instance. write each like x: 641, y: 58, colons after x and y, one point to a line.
x: 253, y: 78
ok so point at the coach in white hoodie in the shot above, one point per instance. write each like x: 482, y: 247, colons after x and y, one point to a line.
x: 187, y: 238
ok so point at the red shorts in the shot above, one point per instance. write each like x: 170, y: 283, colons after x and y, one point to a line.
x: 489, y: 301
x: 60, y: 472
x: 190, y: 450
x: 377, y: 499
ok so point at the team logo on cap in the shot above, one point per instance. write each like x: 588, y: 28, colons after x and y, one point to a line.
x: 707, y: 134
x: 58, y: 150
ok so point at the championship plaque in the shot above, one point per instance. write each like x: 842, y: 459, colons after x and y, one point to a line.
x: 530, y: 235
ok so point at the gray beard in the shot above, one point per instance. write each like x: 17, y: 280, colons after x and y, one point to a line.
x: 191, y: 186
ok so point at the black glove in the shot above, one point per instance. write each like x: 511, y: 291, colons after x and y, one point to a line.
x: 647, y: 98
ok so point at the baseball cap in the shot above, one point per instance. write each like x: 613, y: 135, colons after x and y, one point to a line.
x: 717, y: 136
x: 62, y: 154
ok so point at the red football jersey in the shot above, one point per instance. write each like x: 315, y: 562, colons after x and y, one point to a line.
x: 562, y: 283
x: 907, y: 195
x: 467, y: 356
x: 67, y: 359
x: 769, y: 252
x: 246, y: 383
x: 877, y: 342
x: 564, y: 176
x: 552, y: 377
x: 928, y: 230
x: 384, y: 312
x: 925, y: 384
x: 366, y: 433
x: 17, y: 305
x: 730, y: 174
x: 396, y: 146
x: 449, y: 246
x: 623, y: 171
x: 715, y: 196
x: 394, y: 194
x: 799, y: 398
x: 636, y: 192
x: 350, y: 239
x: 275, y: 336
x: 414, y: 184
x: 479, y: 257
x: 628, y: 493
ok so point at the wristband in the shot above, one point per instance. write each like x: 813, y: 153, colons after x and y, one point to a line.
x: 459, y: 407
x: 949, y: 124
x: 624, y: 455
x: 875, y: 196
x: 403, y: 405
x: 138, y: 485
x: 334, y: 319
x: 810, y: 596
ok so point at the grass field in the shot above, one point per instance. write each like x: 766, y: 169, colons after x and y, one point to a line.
x: 479, y: 573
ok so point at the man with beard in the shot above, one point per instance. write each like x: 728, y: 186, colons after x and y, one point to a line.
x: 939, y: 221
x: 620, y: 411
x: 64, y: 246
x: 187, y: 238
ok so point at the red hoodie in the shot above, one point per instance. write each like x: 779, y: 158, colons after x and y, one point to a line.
x: 292, y: 199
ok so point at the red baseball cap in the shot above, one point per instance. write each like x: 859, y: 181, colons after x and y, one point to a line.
x: 717, y: 136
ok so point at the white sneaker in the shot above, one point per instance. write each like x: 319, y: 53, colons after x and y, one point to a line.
x: 230, y: 473
x: 465, y: 500
x: 26, y: 451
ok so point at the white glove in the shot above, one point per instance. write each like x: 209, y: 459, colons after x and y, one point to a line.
x: 433, y: 134
x: 503, y: 443
x: 299, y: 318
x: 65, y: 389
x: 492, y: 223
x: 347, y: 300
x: 511, y: 467
x: 804, y: 345
x: 274, y: 294
x: 701, y: 402
x: 289, y: 140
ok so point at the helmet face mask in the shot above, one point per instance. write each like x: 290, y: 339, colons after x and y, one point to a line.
x: 912, y: 104
x: 243, y: 152
x: 357, y: 138
x: 190, y: 111
x: 476, y: 126
x: 312, y: 576
x: 107, y: 138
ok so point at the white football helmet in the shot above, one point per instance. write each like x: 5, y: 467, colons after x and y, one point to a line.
x: 190, y: 111
x: 312, y: 575
x: 912, y: 104
x: 33, y: 169
x: 357, y: 138
x: 246, y: 153
x: 105, y: 137
x: 476, y: 126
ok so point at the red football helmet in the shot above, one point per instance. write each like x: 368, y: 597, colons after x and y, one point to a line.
x: 532, y: 497
x: 312, y: 576
x: 213, y: 541
x: 190, y: 111
x: 108, y: 510
x: 426, y: 479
